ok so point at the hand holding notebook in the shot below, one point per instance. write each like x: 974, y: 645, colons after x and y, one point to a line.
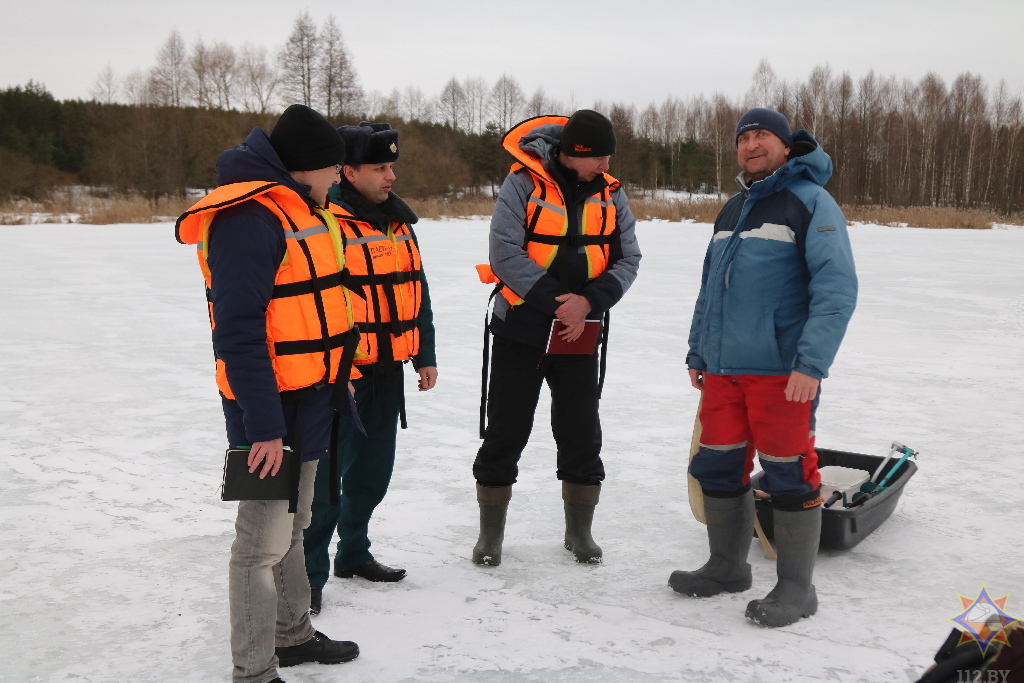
x: 586, y: 343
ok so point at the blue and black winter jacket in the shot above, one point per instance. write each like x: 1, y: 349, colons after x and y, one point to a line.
x: 779, y: 285
x: 245, y: 251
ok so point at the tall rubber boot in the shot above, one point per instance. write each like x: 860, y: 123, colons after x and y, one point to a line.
x: 796, y: 540
x: 580, y: 501
x: 493, y: 502
x: 730, y: 529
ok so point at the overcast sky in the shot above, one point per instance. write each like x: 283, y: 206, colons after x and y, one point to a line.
x: 634, y: 51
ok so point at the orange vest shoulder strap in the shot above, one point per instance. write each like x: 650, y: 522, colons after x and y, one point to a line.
x: 188, y: 227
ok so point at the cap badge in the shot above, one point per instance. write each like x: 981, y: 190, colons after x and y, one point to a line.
x: 394, y: 148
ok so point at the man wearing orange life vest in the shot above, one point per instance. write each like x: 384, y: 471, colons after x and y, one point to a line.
x: 396, y: 325
x: 562, y: 246
x: 273, y: 263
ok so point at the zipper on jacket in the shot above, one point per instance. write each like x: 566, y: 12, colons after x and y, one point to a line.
x: 728, y: 269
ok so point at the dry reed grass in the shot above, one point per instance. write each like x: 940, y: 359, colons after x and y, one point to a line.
x: 68, y: 207
x: 928, y: 217
x: 132, y: 207
x: 701, y: 210
x: 467, y: 207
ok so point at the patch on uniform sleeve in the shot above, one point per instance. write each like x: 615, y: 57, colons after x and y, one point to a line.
x: 826, y: 228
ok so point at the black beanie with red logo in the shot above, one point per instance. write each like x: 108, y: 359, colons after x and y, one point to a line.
x: 587, y: 134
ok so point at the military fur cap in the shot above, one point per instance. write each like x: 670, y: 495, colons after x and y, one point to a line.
x: 369, y: 143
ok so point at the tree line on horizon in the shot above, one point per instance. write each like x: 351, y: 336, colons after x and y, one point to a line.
x: 893, y: 142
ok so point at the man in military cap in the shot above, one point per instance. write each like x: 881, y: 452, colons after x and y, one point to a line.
x: 397, y: 326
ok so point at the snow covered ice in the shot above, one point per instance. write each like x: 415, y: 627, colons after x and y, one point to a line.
x: 116, y: 543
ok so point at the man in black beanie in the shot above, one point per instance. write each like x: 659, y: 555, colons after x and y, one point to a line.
x: 563, y: 251
x: 397, y: 326
x: 260, y: 234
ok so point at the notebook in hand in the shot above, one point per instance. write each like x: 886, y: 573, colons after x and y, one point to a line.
x: 241, y: 484
x: 586, y: 343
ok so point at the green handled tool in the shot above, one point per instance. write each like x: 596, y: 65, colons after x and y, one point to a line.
x: 870, y: 489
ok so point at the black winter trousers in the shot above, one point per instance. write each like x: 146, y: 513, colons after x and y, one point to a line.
x: 517, y: 372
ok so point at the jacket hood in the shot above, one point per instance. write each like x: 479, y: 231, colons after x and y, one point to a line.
x: 810, y: 163
x: 533, y: 141
x: 255, y: 160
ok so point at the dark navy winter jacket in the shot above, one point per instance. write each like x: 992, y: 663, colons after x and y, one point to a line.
x: 246, y: 247
x: 779, y: 285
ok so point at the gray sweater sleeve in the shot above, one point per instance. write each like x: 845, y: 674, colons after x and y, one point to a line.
x: 623, y: 259
x: 508, y: 258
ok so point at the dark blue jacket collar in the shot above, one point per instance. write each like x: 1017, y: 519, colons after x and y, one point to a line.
x: 256, y: 160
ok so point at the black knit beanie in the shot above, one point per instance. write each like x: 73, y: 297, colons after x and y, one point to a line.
x: 370, y: 143
x: 306, y: 141
x: 766, y: 119
x: 587, y: 134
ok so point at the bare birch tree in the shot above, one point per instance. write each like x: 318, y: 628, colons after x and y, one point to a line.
x: 415, y: 105
x: 223, y: 73
x: 451, y: 104
x: 258, y: 80
x: 201, y: 77
x: 105, y: 89
x: 476, y: 92
x: 506, y: 102
x: 299, y: 60
x: 169, y: 78
x: 337, y: 82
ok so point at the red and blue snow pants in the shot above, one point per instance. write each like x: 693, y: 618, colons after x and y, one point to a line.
x: 744, y: 415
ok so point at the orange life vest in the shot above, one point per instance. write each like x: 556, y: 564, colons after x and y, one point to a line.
x: 547, y: 222
x: 309, y: 319
x: 387, y: 266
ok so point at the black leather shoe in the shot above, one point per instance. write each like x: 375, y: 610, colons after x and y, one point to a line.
x: 316, y: 596
x: 373, y: 571
x: 319, y: 649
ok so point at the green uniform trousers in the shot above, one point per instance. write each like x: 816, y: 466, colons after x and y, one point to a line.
x: 365, y: 464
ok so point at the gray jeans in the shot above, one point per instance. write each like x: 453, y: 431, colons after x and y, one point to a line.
x: 268, y: 592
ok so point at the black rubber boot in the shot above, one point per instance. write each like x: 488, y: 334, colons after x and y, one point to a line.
x: 316, y: 596
x: 730, y: 530
x: 493, y: 502
x: 580, y: 502
x: 796, y: 540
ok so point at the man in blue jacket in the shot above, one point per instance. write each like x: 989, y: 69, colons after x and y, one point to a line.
x: 777, y: 292
x: 268, y: 188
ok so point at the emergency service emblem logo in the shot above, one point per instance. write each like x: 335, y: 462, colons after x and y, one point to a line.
x: 983, y: 620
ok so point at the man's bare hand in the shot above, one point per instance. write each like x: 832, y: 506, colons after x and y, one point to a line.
x: 696, y: 378
x: 801, y: 388
x: 574, y: 309
x: 428, y: 378
x: 572, y: 332
x: 270, y: 453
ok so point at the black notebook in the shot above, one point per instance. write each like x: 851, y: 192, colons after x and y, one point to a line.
x: 241, y: 484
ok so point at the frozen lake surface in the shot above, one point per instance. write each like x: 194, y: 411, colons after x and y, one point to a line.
x: 116, y: 545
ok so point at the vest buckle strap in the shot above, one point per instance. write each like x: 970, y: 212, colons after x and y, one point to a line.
x: 571, y: 240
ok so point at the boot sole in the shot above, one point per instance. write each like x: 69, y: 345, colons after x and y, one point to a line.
x: 349, y: 575
x: 295, y: 661
x: 706, y: 588
x: 762, y: 620
x: 584, y: 558
x: 486, y: 560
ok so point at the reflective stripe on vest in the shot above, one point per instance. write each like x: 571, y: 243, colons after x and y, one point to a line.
x: 308, y: 294
x: 387, y: 266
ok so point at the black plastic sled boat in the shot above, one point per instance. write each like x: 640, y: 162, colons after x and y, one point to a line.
x: 844, y: 527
